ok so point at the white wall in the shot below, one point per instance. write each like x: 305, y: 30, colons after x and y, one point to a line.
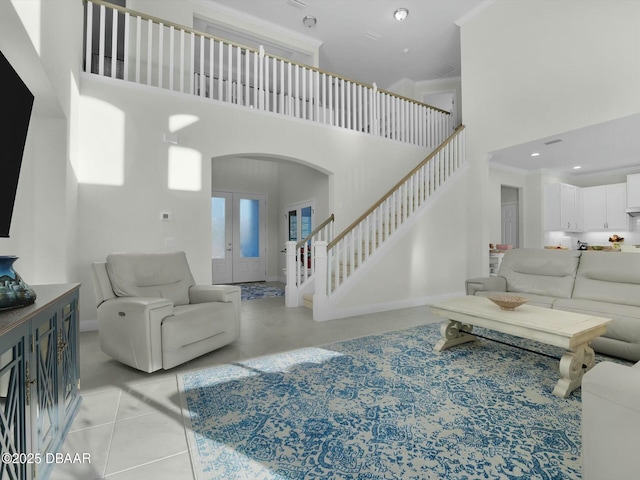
x: 45, y: 56
x: 124, y: 171
x: 418, y: 90
x: 296, y: 184
x: 533, y: 68
x: 427, y: 262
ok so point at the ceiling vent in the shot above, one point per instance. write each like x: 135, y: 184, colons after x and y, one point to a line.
x: 373, y: 35
x: 551, y: 142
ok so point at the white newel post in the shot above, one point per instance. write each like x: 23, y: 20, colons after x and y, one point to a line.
x: 291, y: 288
x: 320, y: 298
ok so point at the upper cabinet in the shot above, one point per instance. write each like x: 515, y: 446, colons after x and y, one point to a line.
x: 633, y: 190
x: 563, y: 208
x: 605, y: 207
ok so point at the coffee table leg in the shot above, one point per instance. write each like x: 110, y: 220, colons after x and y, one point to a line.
x: 454, y: 333
x: 573, y: 365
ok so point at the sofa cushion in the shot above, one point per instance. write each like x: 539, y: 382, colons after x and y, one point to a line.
x: 163, y: 275
x: 549, y: 273
x: 611, y: 277
x: 536, y: 300
x: 625, y: 318
x: 192, y: 323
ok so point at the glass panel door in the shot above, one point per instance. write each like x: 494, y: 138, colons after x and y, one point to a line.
x: 222, y: 237
x: 249, y: 247
x: 249, y: 228
x: 238, y: 233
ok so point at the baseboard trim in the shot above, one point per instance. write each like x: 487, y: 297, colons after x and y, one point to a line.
x: 89, y: 326
x: 337, y: 314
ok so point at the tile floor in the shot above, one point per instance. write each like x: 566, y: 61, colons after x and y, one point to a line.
x: 130, y: 422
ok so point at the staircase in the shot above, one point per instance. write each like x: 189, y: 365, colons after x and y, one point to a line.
x: 338, y: 262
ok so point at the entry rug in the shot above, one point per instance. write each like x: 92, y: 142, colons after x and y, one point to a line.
x: 252, y: 291
x: 383, y: 407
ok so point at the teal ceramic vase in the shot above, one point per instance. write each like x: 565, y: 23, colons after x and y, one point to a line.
x: 14, y: 292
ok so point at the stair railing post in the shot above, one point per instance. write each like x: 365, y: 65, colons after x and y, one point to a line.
x: 291, y: 287
x: 320, y: 298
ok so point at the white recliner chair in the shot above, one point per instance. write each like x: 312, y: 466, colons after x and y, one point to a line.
x: 151, y: 315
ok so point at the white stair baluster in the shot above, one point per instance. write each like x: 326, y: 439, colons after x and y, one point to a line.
x: 160, y: 54
x: 211, y: 66
x: 149, y: 50
x: 114, y: 42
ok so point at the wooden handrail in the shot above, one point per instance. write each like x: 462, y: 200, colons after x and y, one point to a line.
x: 316, y: 230
x: 254, y: 50
x: 390, y: 192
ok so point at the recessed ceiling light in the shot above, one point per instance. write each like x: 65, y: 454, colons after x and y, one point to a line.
x: 309, y: 21
x: 400, y: 14
x: 535, y: 154
x: 577, y: 167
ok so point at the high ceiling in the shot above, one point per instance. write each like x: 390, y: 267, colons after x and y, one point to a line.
x: 363, y: 41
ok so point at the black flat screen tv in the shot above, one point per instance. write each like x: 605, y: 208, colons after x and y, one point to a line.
x: 17, y: 102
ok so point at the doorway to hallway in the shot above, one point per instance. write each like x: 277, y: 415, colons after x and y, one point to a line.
x: 238, y: 226
x: 510, y: 218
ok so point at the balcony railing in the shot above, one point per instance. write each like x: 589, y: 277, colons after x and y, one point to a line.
x: 128, y: 45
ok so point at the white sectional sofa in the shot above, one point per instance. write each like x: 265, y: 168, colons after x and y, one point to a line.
x: 611, y: 422
x: 606, y: 284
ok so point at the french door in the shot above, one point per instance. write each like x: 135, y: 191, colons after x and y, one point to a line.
x: 239, y: 237
x: 300, y: 220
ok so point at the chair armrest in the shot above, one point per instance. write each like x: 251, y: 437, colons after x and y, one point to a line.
x: 490, y: 284
x: 130, y: 330
x: 217, y: 293
x: 214, y: 293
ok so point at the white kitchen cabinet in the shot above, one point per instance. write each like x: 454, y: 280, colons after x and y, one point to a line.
x: 633, y: 190
x: 605, y: 207
x: 563, y: 208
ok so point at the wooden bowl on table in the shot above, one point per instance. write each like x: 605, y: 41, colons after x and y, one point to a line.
x: 508, y: 302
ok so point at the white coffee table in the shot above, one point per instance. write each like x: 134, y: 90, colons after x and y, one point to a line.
x: 568, y: 330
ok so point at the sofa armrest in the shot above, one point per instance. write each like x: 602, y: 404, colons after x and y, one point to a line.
x: 610, y: 421
x: 615, y: 383
x: 490, y: 284
x: 130, y: 330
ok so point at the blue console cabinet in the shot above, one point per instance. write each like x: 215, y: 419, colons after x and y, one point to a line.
x: 39, y: 380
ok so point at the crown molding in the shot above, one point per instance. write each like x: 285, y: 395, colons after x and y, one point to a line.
x: 244, y: 17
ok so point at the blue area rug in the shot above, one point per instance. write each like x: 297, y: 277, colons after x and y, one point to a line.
x: 384, y: 407
x: 252, y: 291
